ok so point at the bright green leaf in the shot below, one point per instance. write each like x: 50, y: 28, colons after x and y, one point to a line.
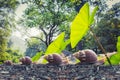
x: 67, y: 42
x: 114, y: 59
x: 77, y: 61
x: 37, y: 56
x: 44, y: 61
x: 91, y: 19
x: 80, y: 25
x: 57, y: 45
x: 64, y: 44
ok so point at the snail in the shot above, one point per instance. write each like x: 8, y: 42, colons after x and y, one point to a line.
x: 88, y: 56
x: 8, y: 62
x: 54, y: 59
x: 26, y: 60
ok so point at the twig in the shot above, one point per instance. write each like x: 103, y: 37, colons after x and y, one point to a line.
x: 100, y: 45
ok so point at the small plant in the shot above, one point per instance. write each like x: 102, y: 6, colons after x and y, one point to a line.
x: 26, y: 60
x: 81, y: 24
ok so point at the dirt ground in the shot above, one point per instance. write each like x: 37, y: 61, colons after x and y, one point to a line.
x: 59, y: 72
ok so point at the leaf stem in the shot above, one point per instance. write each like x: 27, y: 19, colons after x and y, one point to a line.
x: 100, y: 45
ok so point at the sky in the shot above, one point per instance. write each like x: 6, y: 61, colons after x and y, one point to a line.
x: 111, y: 2
x: 20, y: 10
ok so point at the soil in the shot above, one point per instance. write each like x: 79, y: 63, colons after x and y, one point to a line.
x: 59, y: 72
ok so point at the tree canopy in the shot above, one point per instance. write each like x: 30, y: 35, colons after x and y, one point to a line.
x: 51, y: 16
x: 6, y: 15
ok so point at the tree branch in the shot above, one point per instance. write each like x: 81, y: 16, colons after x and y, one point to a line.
x: 43, y: 30
x: 46, y: 35
x: 50, y: 34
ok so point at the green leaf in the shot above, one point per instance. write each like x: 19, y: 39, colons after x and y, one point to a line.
x: 44, y: 61
x: 77, y: 61
x: 91, y: 19
x: 114, y: 59
x: 57, y: 45
x: 118, y: 45
x: 80, y: 25
x: 64, y: 44
x: 37, y: 56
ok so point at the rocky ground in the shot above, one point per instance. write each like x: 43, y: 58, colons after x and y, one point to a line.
x: 59, y: 72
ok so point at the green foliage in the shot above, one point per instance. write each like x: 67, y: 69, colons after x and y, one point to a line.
x: 108, y: 31
x: 57, y: 45
x: 10, y: 54
x: 11, y: 4
x: 113, y: 12
x: 52, y: 17
x: 44, y: 61
x: 14, y: 55
x: 80, y: 20
x: 4, y: 34
x: 91, y: 18
x: 4, y: 56
x: 81, y: 24
x: 33, y: 46
x: 7, y: 8
x: 37, y: 56
x: 115, y: 58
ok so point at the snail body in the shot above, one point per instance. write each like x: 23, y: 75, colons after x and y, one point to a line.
x: 54, y: 59
x: 26, y: 60
x: 8, y: 62
x: 86, y: 56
